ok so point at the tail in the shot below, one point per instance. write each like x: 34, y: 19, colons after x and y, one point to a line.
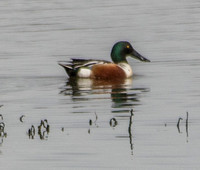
x: 69, y: 69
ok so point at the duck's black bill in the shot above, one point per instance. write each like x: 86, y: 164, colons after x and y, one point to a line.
x: 138, y: 56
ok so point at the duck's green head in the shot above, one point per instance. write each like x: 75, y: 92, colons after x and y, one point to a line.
x: 123, y: 49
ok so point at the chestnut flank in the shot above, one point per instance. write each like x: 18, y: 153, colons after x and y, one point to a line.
x: 107, y: 71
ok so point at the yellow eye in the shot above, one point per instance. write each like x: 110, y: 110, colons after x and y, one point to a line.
x: 127, y: 46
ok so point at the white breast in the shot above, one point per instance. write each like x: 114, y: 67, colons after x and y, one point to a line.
x: 84, y: 73
x: 127, y: 69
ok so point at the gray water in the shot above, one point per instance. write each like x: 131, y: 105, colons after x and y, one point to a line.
x: 35, y: 35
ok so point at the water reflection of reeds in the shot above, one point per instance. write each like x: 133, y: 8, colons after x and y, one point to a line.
x: 42, y: 130
x: 3, y: 133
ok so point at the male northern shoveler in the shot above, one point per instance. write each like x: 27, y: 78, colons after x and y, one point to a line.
x: 101, y: 69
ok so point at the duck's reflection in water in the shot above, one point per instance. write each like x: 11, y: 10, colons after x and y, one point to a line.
x: 122, y: 95
x: 81, y: 86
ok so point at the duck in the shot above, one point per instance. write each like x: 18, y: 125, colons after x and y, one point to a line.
x: 102, y: 69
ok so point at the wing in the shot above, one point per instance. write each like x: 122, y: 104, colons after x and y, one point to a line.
x: 72, y: 66
x: 77, y: 63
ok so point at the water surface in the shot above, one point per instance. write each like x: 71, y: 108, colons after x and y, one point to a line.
x: 93, y: 124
